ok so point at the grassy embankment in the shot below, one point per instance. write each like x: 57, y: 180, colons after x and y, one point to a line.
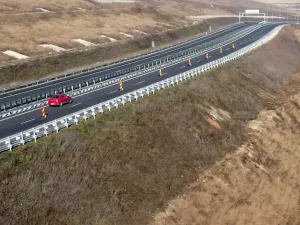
x: 126, y: 165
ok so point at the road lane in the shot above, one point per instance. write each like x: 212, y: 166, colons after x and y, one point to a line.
x: 13, y: 125
x: 18, y: 94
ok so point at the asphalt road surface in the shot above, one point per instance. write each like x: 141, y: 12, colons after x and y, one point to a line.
x: 33, y: 118
x: 33, y: 90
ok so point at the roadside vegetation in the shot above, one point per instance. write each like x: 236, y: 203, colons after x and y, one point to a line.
x: 126, y: 166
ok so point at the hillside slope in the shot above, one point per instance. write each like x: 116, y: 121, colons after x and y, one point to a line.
x: 127, y: 165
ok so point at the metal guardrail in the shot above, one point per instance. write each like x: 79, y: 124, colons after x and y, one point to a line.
x: 93, y: 68
x: 31, y: 102
x: 64, y: 122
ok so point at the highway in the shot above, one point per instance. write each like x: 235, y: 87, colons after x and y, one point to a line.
x: 28, y: 120
x: 45, y: 87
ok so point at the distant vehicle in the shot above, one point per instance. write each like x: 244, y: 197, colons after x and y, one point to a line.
x: 59, y: 99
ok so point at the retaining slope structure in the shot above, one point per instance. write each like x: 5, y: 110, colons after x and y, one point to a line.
x: 39, y: 100
x: 64, y: 122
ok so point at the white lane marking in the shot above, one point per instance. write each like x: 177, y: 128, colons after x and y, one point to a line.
x: 199, y: 61
x: 75, y: 105
x: 203, y: 38
x: 182, y: 67
x: 28, y: 121
x: 139, y: 82
x: 112, y: 92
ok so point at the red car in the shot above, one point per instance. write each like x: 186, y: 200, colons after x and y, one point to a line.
x: 59, y: 99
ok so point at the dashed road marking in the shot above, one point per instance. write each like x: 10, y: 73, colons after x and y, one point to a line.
x: 112, y: 92
x: 28, y: 121
x: 139, y: 82
x: 75, y: 105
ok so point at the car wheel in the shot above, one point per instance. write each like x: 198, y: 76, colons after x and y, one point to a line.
x: 61, y: 104
x: 70, y: 101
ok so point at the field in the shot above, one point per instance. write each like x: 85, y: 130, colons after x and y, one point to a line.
x: 205, y: 152
x: 24, y: 27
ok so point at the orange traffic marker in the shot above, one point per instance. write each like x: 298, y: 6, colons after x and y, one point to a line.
x: 189, y: 62
x: 121, y: 86
x: 44, y: 115
x: 160, y: 73
x: 206, y: 56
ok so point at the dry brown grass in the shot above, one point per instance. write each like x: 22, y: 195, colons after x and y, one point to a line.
x: 24, y: 32
x: 258, y: 184
x: 126, y: 165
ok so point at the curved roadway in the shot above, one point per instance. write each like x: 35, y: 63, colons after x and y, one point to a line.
x: 28, y: 120
x: 34, y: 90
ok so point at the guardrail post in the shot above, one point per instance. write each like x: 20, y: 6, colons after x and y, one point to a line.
x: 100, y: 108
x: 8, y: 143
x: 55, y: 126
x: 123, y: 100
x: 93, y: 112
x: 84, y: 116
x: 66, y: 122
x: 22, y: 139
x: 45, y: 131
x: 34, y: 135
x: 172, y: 81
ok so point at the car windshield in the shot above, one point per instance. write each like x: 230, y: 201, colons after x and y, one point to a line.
x: 54, y: 96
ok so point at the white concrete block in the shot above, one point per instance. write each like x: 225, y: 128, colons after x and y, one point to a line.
x: 43, y: 10
x: 53, y: 47
x: 127, y: 35
x: 15, y: 54
x: 139, y: 31
x: 109, y: 38
x: 84, y: 42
